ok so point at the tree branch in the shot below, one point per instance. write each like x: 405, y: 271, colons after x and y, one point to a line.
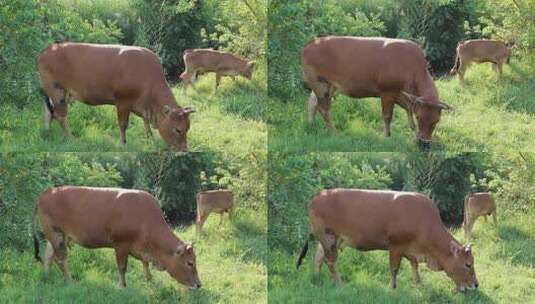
x: 250, y: 8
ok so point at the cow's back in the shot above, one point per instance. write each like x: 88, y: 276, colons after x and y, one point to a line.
x: 209, y: 60
x: 373, y: 219
x: 481, y: 203
x: 95, y: 216
x: 215, y: 200
x: 98, y: 74
x: 481, y: 50
x: 362, y: 67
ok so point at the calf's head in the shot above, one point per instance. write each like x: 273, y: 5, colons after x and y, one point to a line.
x: 181, y: 265
x: 459, y: 266
x: 173, y: 126
x: 427, y: 116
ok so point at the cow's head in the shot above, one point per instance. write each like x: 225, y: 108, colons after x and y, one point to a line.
x: 427, y: 115
x: 173, y: 125
x: 460, y: 266
x: 181, y: 265
x: 248, y: 70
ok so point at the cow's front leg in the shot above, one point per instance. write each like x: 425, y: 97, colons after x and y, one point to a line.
x: 148, y: 131
x: 319, y: 259
x: 387, y: 103
x: 122, y: 116
x: 395, y: 261
x: 312, y: 107
x: 121, y: 256
x: 146, y: 270
x: 414, y: 267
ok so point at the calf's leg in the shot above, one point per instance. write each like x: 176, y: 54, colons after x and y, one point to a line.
x: 494, y: 219
x: 218, y: 77
x: 462, y: 69
x: 329, y: 242
x: 201, y: 218
x: 414, y: 267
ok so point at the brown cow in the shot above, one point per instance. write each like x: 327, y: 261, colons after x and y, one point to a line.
x: 218, y: 201
x: 393, y: 69
x: 479, y: 51
x: 476, y: 205
x: 199, y: 61
x: 407, y: 224
x: 129, y: 221
x: 131, y: 78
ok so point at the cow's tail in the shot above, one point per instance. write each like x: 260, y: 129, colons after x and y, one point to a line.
x: 34, y: 236
x: 303, y: 251
x: 457, y: 62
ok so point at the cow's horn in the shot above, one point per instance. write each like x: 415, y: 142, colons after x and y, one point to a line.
x: 444, y: 106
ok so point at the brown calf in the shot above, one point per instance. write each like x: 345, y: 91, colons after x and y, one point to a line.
x: 199, y: 61
x: 479, y: 51
x: 218, y: 201
x: 476, y: 205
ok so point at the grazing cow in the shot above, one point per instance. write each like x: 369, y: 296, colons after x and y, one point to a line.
x: 131, y: 78
x: 199, y: 61
x: 393, y: 69
x: 479, y: 51
x: 129, y: 221
x: 407, y: 224
x: 476, y: 205
x: 218, y: 201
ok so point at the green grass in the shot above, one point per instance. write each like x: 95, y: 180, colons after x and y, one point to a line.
x: 230, y: 118
x: 231, y: 262
x: 504, y: 264
x: 488, y: 115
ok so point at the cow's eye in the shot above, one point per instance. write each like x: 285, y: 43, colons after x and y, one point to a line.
x: 190, y: 264
x: 468, y: 265
x: 177, y: 131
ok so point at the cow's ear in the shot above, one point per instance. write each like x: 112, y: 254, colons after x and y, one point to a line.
x: 183, y: 248
x: 468, y: 248
x: 454, y: 248
x: 166, y: 110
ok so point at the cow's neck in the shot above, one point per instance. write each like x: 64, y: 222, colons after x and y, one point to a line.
x: 163, y: 241
x: 425, y: 88
x: 439, y: 248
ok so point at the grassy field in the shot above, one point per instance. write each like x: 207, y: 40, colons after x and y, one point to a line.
x: 488, y: 115
x: 231, y: 261
x: 232, y: 117
x: 504, y: 263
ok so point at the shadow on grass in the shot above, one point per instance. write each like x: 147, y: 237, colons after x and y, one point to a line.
x: 518, y: 246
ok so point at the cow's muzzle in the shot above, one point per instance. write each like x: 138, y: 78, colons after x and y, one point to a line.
x: 424, y: 144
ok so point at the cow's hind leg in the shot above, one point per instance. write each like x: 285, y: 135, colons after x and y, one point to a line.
x: 494, y: 219
x: 468, y: 226
x: 121, y: 256
x: 462, y: 69
x: 329, y: 242
x: 59, y: 250
x: 201, y: 218
x: 319, y: 259
x: 49, y: 256
x: 312, y: 107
